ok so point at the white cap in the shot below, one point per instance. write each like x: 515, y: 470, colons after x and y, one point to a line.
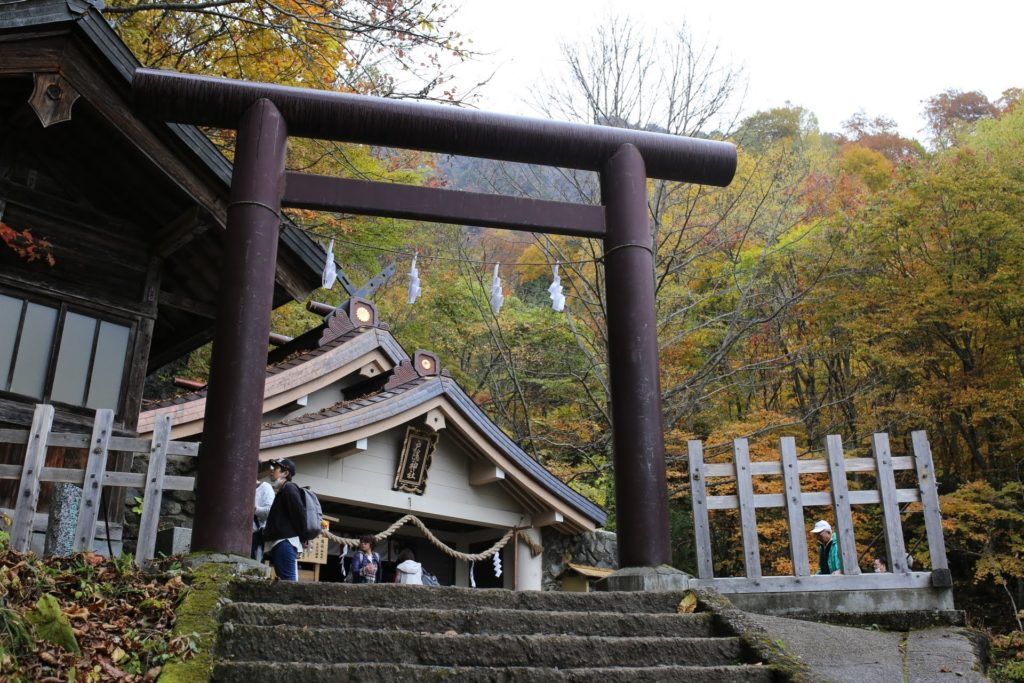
x: 821, y: 525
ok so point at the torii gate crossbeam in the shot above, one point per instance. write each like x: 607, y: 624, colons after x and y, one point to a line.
x: 265, y: 115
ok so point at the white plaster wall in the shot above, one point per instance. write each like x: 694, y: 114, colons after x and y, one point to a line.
x: 324, y: 397
x: 366, y: 478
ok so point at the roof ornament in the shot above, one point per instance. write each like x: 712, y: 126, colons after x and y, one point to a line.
x: 422, y: 364
x: 52, y: 98
x: 555, y: 290
x: 497, y: 298
x: 414, y: 280
x: 330, y: 268
x: 346, y: 318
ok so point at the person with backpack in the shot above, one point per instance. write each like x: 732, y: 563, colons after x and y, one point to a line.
x: 408, y: 571
x: 366, y: 567
x: 285, y: 522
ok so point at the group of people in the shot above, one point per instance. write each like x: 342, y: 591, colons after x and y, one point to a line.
x: 278, y: 517
x: 828, y: 551
x: 366, y: 565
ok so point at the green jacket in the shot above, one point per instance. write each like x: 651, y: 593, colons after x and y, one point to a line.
x: 828, y: 556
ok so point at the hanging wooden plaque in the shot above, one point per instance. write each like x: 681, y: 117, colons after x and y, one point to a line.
x: 411, y: 475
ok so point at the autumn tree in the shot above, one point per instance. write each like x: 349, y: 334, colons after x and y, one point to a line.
x: 390, y: 48
x: 386, y: 48
x: 879, y: 134
x: 713, y: 247
x: 952, y: 111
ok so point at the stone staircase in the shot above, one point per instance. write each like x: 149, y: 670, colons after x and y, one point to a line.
x: 337, y: 632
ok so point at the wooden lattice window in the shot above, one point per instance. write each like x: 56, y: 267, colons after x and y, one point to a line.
x: 50, y: 352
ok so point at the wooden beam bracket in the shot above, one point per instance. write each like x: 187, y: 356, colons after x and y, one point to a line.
x: 52, y: 98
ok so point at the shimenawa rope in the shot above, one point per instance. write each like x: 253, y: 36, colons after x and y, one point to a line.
x: 451, y: 552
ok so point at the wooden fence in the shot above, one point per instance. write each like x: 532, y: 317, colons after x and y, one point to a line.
x: 94, y: 477
x: 883, y: 465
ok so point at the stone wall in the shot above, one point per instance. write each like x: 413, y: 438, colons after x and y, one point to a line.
x: 177, y: 508
x: 595, y: 549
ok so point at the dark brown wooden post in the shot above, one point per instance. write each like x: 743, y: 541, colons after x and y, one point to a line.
x: 641, y: 493
x: 226, y: 482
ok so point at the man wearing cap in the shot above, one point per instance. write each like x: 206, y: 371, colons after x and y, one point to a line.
x: 284, y: 522
x: 828, y: 548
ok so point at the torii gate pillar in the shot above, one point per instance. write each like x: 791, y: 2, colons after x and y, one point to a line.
x: 641, y: 493
x: 229, y: 454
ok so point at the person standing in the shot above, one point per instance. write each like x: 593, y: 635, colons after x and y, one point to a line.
x: 285, y: 520
x: 366, y: 563
x: 408, y: 571
x: 264, y: 499
x: 828, y: 548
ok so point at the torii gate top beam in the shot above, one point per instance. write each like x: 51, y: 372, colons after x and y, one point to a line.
x: 220, y: 103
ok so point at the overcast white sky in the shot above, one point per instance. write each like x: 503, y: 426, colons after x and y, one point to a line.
x: 834, y: 58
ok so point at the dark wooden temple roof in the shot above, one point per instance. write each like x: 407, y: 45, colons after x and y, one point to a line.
x: 187, y: 410
x: 348, y: 416
x: 148, y: 196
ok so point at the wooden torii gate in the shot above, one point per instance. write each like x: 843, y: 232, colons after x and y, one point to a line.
x: 265, y: 115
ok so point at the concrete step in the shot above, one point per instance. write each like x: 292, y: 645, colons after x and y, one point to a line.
x: 477, y: 621
x: 450, y: 598
x: 273, y: 672
x: 353, y: 645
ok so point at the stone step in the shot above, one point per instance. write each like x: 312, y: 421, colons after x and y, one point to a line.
x: 273, y: 672
x: 450, y: 597
x: 477, y: 621
x: 349, y: 645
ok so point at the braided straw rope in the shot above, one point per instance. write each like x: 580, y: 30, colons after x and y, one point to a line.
x: 452, y: 552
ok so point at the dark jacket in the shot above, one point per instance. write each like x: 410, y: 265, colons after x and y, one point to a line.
x: 287, y: 514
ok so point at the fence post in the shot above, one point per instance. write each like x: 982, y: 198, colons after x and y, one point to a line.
x: 748, y: 516
x: 698, y: 495
x: 841, y: 503
x: 794, y: 507
x: 930, y: 502
x: 28, y: 491
x: 92, y: 486
x: 890, y: 506
x: 154, y: 490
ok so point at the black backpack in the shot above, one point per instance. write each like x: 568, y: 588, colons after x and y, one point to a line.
x: 311, y: 525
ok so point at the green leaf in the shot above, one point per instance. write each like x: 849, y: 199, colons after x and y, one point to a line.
x: 51, y: 625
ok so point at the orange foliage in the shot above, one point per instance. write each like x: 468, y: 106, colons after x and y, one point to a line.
x: 25, y: 245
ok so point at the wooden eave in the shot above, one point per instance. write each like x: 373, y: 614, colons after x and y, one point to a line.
x: 526, y: 479
x: 185, y: 175
x: 288, y: 380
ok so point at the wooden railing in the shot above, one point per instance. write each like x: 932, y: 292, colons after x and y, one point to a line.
x: 883, y: 465
x: 94, y: 477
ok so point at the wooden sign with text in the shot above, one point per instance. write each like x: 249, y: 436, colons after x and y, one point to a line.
x: 411, y: 475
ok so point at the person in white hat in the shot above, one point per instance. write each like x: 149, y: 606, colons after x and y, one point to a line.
x: 828, y: 548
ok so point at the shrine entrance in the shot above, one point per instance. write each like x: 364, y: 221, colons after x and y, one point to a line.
x: 265, y: 115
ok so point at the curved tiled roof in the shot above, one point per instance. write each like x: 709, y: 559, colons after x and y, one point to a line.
x: 385, y: 341
x: 348, y: 415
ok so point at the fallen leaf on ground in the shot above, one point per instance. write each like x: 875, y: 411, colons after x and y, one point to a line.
x: 688, y: 604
